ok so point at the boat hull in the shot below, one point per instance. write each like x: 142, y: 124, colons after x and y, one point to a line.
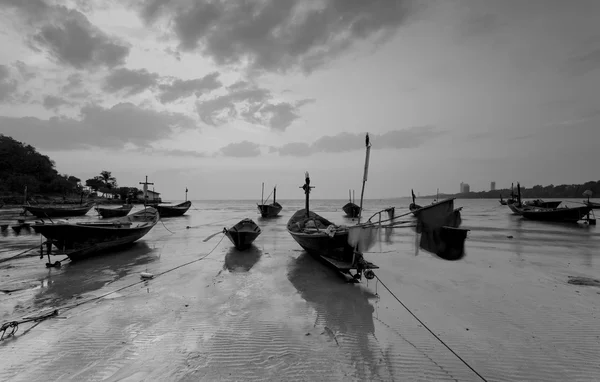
x: 269, y: 210
x: 79, y: 241
x: 173, y: 211
x: 113, y: 212
x: 569, y: 215
x: 243, y: 234
x: 57, y: 212
x: 351, y: 210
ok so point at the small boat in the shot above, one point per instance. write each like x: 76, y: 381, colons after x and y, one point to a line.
x: 269, y: 210
x: 243, y: 233
x: 58, y: 211
x: 114, y: 212
x: 84, y: 239
x: 502, y: 201
x: 171, y: 211
x: 564, y: 214
x: 351, y: 209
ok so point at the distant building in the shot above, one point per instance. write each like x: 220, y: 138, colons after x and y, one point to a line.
x: 464, y: 188
x: 493, y: 186
x: 152, y: 196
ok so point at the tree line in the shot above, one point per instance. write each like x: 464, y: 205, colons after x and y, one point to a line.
x: 567, y: 191
x: 21, y: 165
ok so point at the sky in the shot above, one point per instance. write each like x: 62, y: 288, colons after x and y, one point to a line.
x: 220, y: 97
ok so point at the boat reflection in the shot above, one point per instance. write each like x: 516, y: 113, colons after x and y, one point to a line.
x: 77, y: 278
x: 241, y: 261
x: 342, y: 307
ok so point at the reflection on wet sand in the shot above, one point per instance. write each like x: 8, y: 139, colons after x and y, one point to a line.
x: 241, y: 261
x: 342, y: 307
x: 77, y: 278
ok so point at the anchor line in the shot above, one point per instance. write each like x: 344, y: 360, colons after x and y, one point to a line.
x: 430, y: 331
x: 13, y: 326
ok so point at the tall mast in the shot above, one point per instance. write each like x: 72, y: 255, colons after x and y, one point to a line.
x: 366, y: 172
x: 146, y: 189
x: 306, y: 187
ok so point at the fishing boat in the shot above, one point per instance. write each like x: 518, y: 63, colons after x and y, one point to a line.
x: 114, y: 212
x: 564, y: 214
x: 502, y: 201
x: 243, y: 234
x: 269, y: 210
x: 84, y: 239
x: 351, y: 209
x: 58, y: 211
x: 327, y: 241
x: 542, y: 204
x: 173, y: 210
x: 589, y: 203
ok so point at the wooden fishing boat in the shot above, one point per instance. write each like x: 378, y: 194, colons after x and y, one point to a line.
x: 327, y: 241
x: 414, y: 207
x: 502, y: 201
x: 243, y: 234
x: 351, y: 209
x: 114, y: 212
x: 564, y: 214
x: 542, y: 204
x: 172, y: 211
x: 84, y: 239
x: 58, y: 211
x: 269, y: 210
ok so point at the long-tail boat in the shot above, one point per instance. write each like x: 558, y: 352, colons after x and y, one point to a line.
x: 351, y: 209
x: 58, y: 211
x: 173, y: 210
x: 269, y: 210
x: 84, y: 239
x: 564, y: 214
x: 243, y: 234
x: 114, y: 212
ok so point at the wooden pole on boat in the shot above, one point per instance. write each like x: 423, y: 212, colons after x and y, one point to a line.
x: 262, y: 194
x: 306, y: 189
x: 274, y: 194
x: 366, y: 172
x: 146, y: 190
x: 353, y: 199
x: 186, y: 191
x: 350, y: 195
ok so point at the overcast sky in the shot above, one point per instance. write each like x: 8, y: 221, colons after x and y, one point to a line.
x: 219, y: 97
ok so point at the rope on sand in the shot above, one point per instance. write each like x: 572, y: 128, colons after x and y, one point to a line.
x: 19, y: 254
x: 430, y: 331
x: 14, y: 325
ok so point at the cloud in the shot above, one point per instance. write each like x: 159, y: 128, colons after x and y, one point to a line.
x: 178, y: 88
x: 345, y: 142
x: 113, y: 127
x: 68, y: 36
x: 274, y: 35
x: 585, y: 62
x: 249, y: 103
x: 242, y: 149
x: 175, y: 152
x: 8, y: 85
x: 24, y: 70
x: 54, y: 102
x: 132, y: 81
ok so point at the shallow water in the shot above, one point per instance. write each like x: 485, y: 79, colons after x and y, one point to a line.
x: 274, y: 313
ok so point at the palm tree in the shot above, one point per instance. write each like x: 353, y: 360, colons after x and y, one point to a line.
x: 109, y: 181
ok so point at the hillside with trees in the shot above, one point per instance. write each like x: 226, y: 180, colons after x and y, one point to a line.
x: 22, y: 165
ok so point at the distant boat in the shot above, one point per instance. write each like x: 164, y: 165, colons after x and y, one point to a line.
x: 172, y: 211
x: 269, y: 210
x: 517, y: 206
x: 114, y: 212
x: 564, y: 214
x: 243, y: 234
x: 350, y: 208
x: 81, y: 240
x: 58, y: 211
x: 502, y: 201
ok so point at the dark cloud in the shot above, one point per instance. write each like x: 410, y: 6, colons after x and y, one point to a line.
x: 68, y: 36
x: 242, y: 149
x: 345, y: 142
x: 275, y: 35
x: 97, y: 127
x: 8, y: 85
x: 251, y: 104
x: 54, y: 102
x: 131, y: 81
x: 178, y: 88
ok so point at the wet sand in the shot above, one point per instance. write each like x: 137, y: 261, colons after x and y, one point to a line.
x: 275, y: 313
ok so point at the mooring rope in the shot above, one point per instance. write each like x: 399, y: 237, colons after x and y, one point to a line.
x: 430, y: 331
x: 13, y: 326
x: 19, y: 254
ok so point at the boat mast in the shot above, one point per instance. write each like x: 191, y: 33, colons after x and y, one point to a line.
x: 186, y: 191
x: 306, y: 189
x: 274, y: 194
x: 350, y: 195
x: 146, y: 190
x: 366, y: 172
x: 262, y: 194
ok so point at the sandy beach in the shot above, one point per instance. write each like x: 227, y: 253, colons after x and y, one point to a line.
x: 274, y: 313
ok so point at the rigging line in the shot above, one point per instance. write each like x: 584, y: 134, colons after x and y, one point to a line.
x: 166, y: 226
x: 430, y: 331
x: 13, y: 325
